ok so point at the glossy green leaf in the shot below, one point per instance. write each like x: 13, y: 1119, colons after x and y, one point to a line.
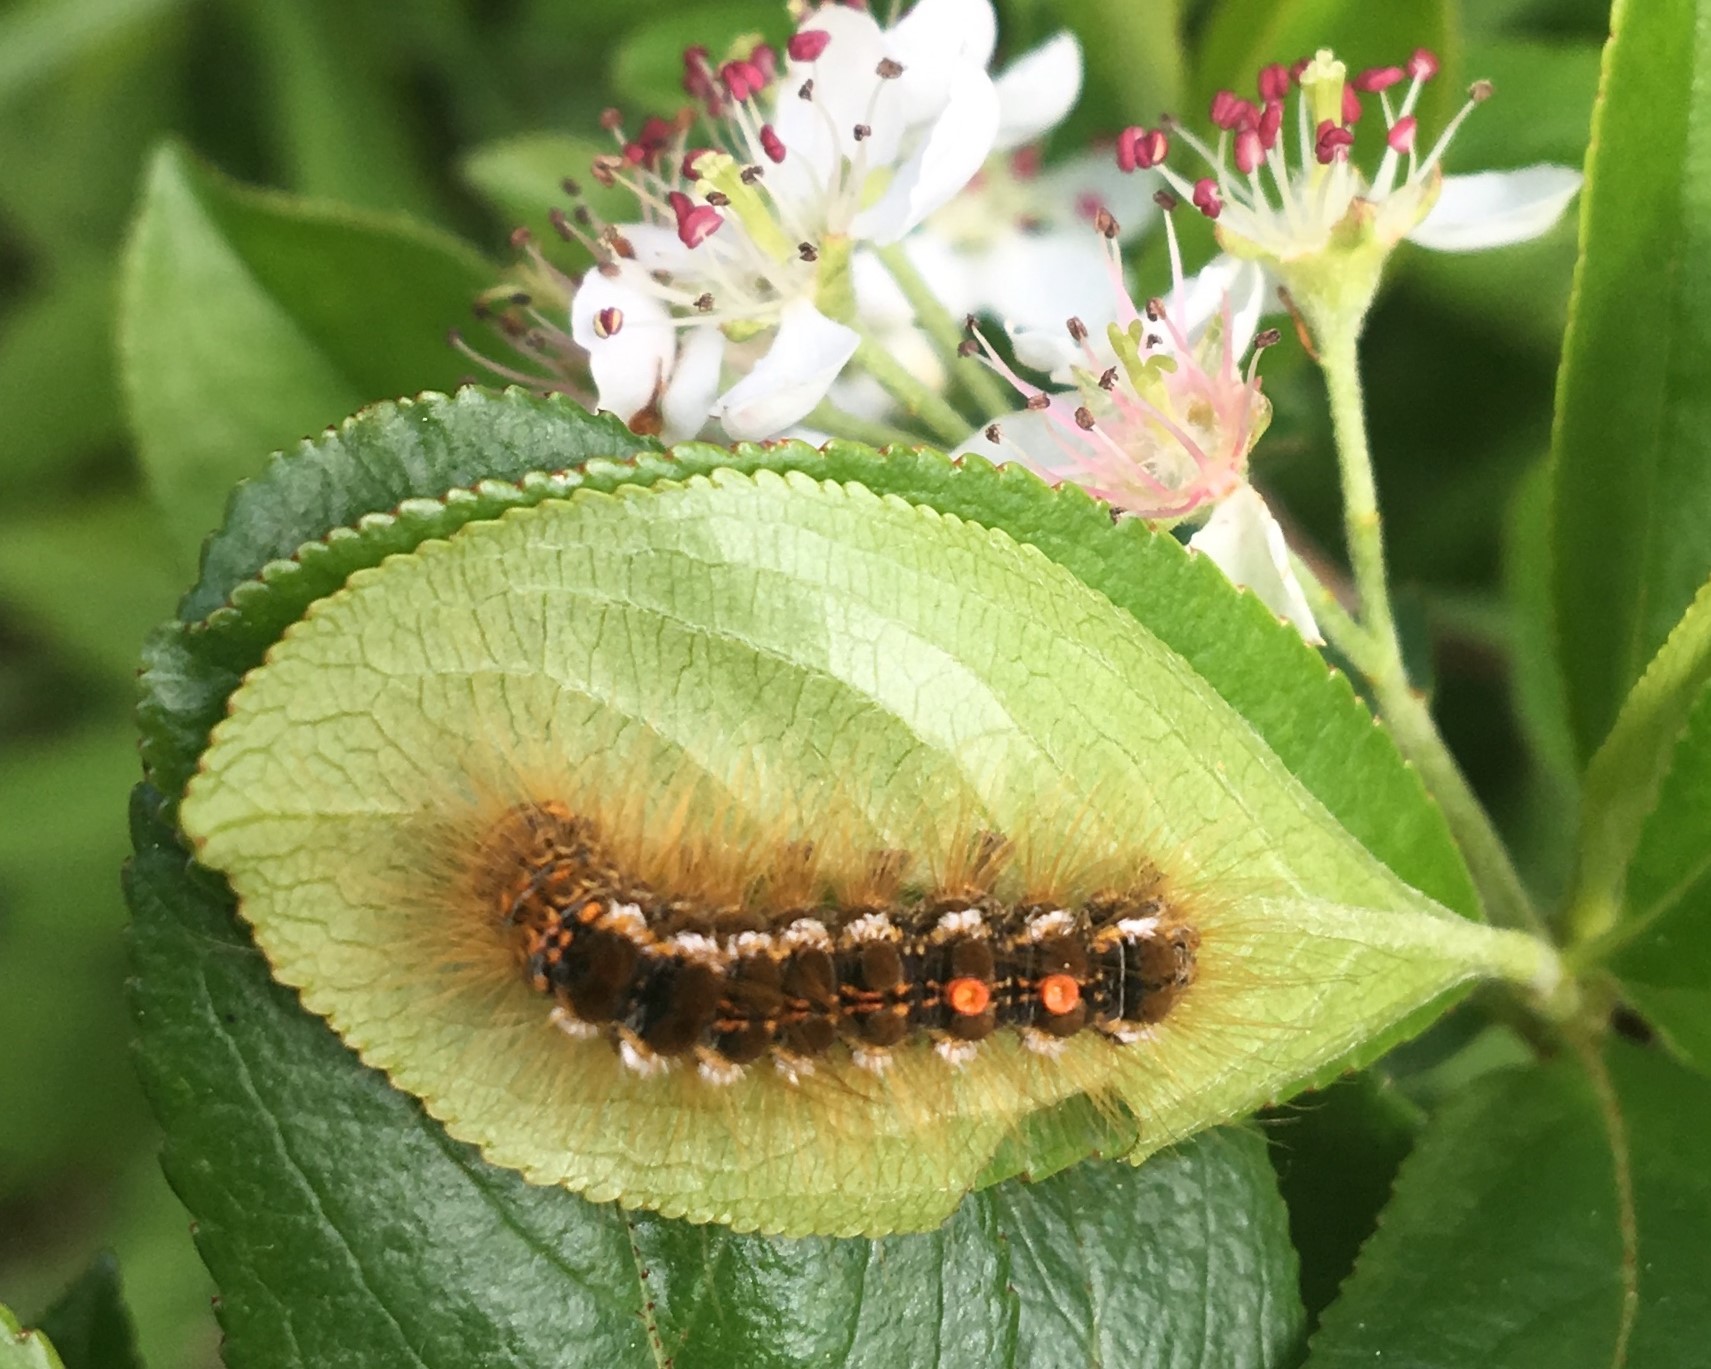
x: 1632, y: 450
x: 1662, y: 949
x: 346, y: 1230
x: 249, y: 319
x: 1337, y: 1152
x: 1622, y: 783
x: 1504, y: 1245
x: 89, y: 1325
x: 711, y: 631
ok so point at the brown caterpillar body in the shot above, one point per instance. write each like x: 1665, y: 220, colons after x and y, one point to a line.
x: 799, y: 968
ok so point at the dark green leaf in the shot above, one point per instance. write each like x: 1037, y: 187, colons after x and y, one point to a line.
x: 345, y: 1229
x: 89, y: 1325
x: 1504, y: 1248
x: 251, y: 318
x: 1632, y: 496
x: 1336, y: 1154
x: 1665, y: 963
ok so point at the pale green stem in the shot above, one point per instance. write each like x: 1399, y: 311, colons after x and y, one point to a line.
x: 829, y: 418
x: 988, y: 392
x: 917, y: 397
x: 1377, y: 650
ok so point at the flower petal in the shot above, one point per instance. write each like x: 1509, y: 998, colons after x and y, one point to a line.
x: 628, y: 365
x: 934, y: 35
x: 694, y: 382
x: 1496, y: 208
x: 1037, y: 90
x: 818, y: 132
x: 1203, y: 294
x: 1244, y: 541
x: 1037, y: 281
x: 794, y: 375
x: 948, y: 156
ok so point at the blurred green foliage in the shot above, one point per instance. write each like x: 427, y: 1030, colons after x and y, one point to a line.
x: 461, y: 114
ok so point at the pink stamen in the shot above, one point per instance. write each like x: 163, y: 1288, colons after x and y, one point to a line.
x: 1274, y: 82
x: 1333, y: 143
x: 807, y: 45
x: 1230, y: 111
x: 695, y: 222
x: 771, y: 143
x: 1351, y: 106
x: 1374, y: 79
x: 1401, y: 135
x: 1206, y: 197
x: 1250, y: 151
x: 1141, y: 148
x: 1270, y: 124
x: 1423, y: 65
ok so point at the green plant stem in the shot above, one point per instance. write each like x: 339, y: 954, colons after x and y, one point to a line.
x: 828, y: 417
x: 1374, y: 648
x: 987, y: 391
x: 917, y: 398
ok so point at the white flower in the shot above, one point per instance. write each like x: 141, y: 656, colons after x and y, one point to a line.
x: 1320, y: 223
x: 1161, y: 418
x: 738, y: 273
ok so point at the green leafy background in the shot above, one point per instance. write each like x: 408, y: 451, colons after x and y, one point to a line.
x: 227, y: 223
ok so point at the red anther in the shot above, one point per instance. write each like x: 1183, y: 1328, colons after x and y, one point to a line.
x: 1250, y: 151
x: 1351, y: 105
x: 764, y: 59
x: 1206, y: 197
x: 1025, y: 162
x: 1401, y: 135
x: 1270, y: 124
x: 1375, y: 79
x: 771, y: 143
x: 608, y: 321
x: 695, y: 222
x: 635, y: 154
x: 690, y: 157
x: 1140, y: 148
x: 1332, y: 143
x: 1230, y: 111
x: 807, y: 45
x: 742, y: 80
x: 1273, y: 82
x: 1423, y: 65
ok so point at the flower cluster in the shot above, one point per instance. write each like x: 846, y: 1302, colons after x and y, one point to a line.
x: 812, y: 225
x: 1320, y: 223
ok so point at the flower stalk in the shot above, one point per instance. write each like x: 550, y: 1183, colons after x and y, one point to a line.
x: 1373, y: 646
x: 984, y: 388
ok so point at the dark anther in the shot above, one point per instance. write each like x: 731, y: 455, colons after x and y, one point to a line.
x: 1108, y: 381
x: 888, y: 69
x: 1039, y: 401
x: 1084, y: 418
x: 991, y: 432
x: 807, y: 251
x: 1077, y: 329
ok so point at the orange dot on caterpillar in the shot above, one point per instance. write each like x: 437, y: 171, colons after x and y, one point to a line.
x: 758, y: 689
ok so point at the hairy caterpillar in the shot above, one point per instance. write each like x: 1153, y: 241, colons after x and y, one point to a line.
x: 655, y: 704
